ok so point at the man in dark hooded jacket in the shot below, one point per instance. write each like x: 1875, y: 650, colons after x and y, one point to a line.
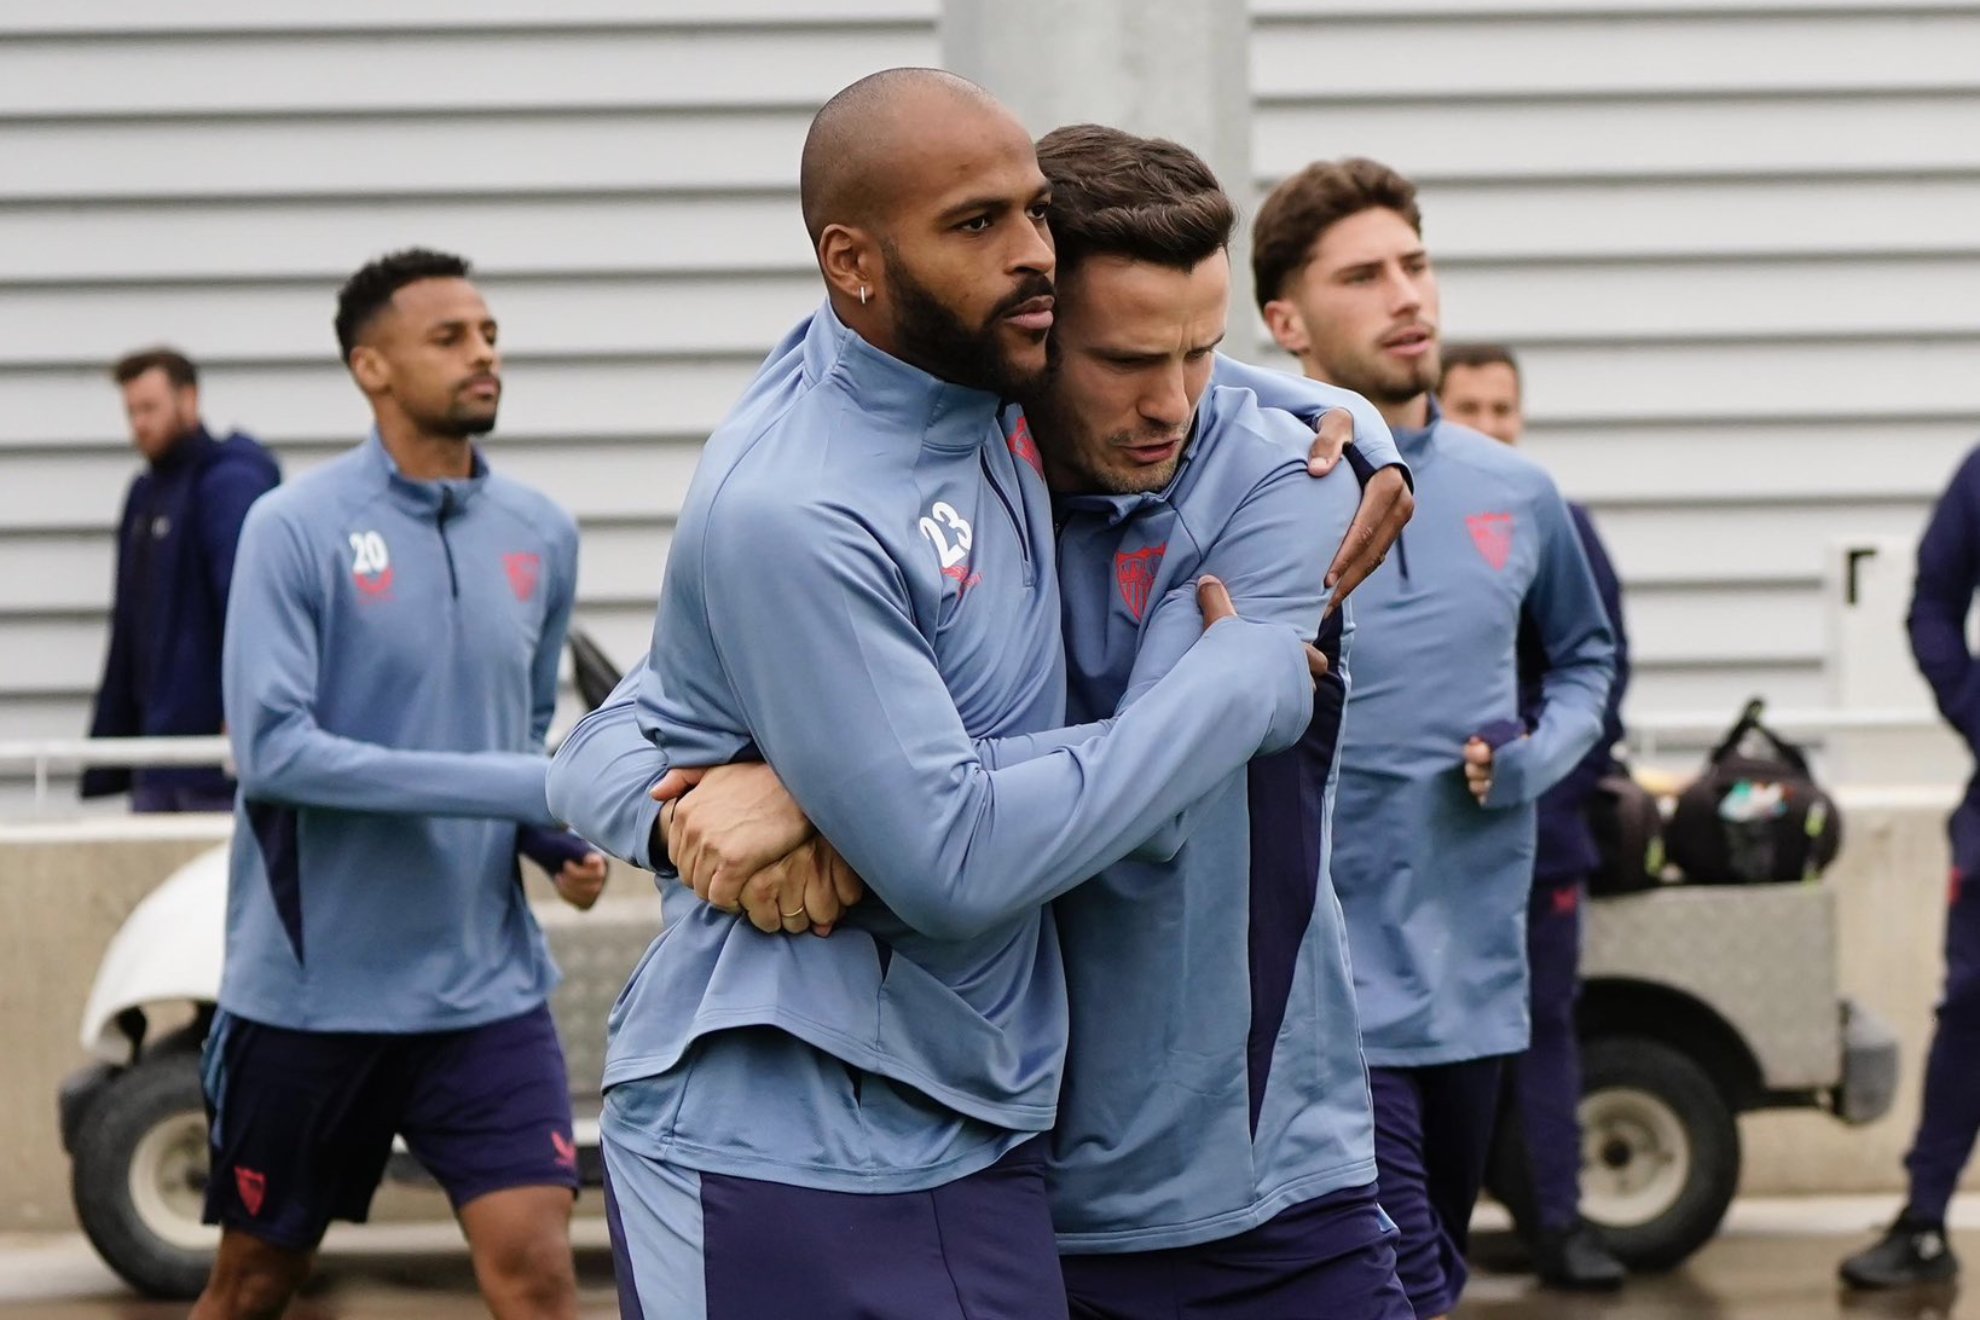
x: 175, y: 557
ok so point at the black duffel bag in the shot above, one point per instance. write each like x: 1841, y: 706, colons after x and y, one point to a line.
x: 1755, y: 815
x: 1629, y: 836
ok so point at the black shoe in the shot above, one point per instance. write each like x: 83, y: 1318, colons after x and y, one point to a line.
x: 1577, y: 1259
x: 1913, y: 1252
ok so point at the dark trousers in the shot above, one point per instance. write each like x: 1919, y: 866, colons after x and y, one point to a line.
x: 1543, y: 1085
x: 1433, y: 1135
x: 1950, y: 1118
x: 150, y: 795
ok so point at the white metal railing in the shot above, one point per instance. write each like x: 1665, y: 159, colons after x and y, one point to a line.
x: 49, y: 754
x: 1646, y: 735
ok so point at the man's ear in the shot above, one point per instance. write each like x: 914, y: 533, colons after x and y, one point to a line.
x: 1288, y: 327
x: 850, y: 261
x: 369, y: 369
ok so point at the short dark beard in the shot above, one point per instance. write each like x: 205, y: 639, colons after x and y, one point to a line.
x: 463, y: 427
x: 1059, y: 435
x: 931, y: 336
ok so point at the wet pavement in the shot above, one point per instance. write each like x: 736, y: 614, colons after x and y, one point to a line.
x: 1776, y: 1261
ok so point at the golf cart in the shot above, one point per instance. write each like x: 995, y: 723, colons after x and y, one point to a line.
x: 1700, y: 1003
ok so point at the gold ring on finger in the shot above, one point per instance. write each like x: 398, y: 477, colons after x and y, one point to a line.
x: 788, y: 915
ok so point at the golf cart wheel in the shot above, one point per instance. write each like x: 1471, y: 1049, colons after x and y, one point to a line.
x: 139, y: 1177
x: 1660, y: 1150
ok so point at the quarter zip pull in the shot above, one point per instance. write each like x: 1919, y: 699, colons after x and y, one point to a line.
x: 446, y: 512
x: 1010, y: 511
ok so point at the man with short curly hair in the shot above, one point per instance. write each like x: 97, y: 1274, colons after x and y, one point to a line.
x: 390, y: 673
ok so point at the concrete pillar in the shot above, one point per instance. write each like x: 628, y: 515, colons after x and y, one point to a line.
x: 1178, y: 69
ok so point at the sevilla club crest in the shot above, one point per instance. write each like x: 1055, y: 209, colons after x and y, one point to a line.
x: 1025, y: 447
x: 1492, y: 533
x: 253, y: 1188
x: 524, y: 569
x: 1135, y: 572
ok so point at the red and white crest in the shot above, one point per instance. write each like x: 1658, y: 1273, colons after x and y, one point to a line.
x: 253, y: 1188
x: 524, y: 569
x: 1025, y: 447
x: 1492, y: 533
x: 1134, y: 572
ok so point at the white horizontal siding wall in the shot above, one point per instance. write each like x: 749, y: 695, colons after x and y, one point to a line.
x: 1738, y: 246
x: 623, y: 173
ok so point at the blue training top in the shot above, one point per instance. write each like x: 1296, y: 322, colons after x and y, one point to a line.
x: 1214, y: 1073
x: 390, y: 671
x: 1435, y: 886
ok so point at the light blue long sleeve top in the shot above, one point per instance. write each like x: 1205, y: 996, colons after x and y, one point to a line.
x: 1435, y: 885
x: 390, y: 669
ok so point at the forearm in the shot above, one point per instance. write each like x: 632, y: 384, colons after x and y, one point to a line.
x: 1571, y: 721
x: 997, y: 753
x: 997, y: 843
x: 602, y: 776
x: 304, y: 766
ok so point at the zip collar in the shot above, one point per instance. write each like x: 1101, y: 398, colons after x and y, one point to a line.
x: 423, y: 499
x: 1414, y: 442
x: 950, y: 418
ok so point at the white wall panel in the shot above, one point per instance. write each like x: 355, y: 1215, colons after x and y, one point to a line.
x: 1699, y: 544
x: 652, y: 315
x: 1440, y: 139
x: 1843, y: 461
x: 362, y: 72
x: 1613, y: 55
x: 542, y: 396
x: 229, y: 18
x: 1718, y: 218
x: 323, y: 240
x: 428, y: 155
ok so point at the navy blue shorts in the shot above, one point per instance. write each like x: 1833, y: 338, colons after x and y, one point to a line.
x: 301, y: 1122
x: 708, y: 1246
x: 1331, y: 1258
x: 1433, y: 1139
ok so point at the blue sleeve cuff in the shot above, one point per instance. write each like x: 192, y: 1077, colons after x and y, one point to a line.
x: 646, y: 815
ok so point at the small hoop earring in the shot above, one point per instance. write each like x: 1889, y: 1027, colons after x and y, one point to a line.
x: 862, y: 295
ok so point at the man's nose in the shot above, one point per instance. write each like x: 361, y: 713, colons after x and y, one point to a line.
x: 1404, y: 296
x: 1167, y: 402
x: 1033, y: 252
